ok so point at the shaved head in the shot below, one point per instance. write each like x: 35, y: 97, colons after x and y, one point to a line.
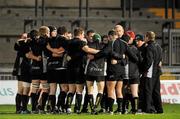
x: 119, y: 30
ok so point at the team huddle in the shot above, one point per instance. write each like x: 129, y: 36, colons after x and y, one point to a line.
x: 126, y: 68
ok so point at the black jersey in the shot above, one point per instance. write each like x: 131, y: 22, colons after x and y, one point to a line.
x: 150, y: 60
x: 22, y: 47
x: 133, y: 63
x: 56, y: 62
x: 159, y: 57
x: 142, y: 52
x: 22, y: 63
x: 108, y: 52
x: 38, y: 48
x: 76, y: 53
x: 119, y: 47
x: 96, y: 67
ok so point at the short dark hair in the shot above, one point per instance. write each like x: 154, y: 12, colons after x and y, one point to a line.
x: 104, y: 36
x: 33, y: 34
x: 90, y: 31
x: 112, y: 32
x: 125, y: 37
x: 62, y: 30
x: 52, y: 28
x: 78, y: 31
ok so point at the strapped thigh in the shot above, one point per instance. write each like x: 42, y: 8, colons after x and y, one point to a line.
x: 45, y: 85
x: 35, y: 85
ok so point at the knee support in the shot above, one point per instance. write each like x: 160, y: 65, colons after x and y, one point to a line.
x: 35, y: 85
x: 45, y: 85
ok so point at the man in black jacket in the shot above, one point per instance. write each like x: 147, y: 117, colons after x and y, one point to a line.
x: 156, y: 96
x: 141, y: 45
x: 149, y: 70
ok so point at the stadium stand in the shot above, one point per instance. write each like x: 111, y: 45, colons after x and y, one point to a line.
x: 13, y: 15
x: 159, y: 12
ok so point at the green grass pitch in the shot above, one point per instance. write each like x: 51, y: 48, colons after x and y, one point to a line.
x: 171, y: 111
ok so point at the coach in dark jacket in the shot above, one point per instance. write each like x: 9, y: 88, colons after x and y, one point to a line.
x: 149, y: 69
x: 156, y: 96
x: 141, y: 45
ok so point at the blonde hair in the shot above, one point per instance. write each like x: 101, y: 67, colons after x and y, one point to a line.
x: 151, y: 35
x: 43, y: 30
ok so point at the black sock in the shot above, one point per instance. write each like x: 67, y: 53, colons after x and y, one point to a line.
x: 69, y: 100
x: 52, y: 100
x: 91, y: 102
x: 134, y: 104
x: 103, y: 101
x: 125, y: 104
x: 61, y: 100
x: 85, y: 104
x: 78, y: 101
x: 24, y: 102
x: 119, y: 104
x: 48, y: 102
x: 110, y: 103
x: 106, y: 102
x: 18, y: 102
x: 34, y: 101
x: 28, y: 99
x: 98, y: 99
x: 44, y: 100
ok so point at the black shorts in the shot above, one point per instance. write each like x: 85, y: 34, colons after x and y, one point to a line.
x: 43, y: 76
x: 36, y: 77
x: 24, y: 78
x: 125, y: 81
x: 52, y: 76
x: 114, y: 76
x: 62, y: 77
x: 75, y: 76
x: 57, y: 76
x: 25, y: 75
x: 95, y: 78
x: 134, y: 81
